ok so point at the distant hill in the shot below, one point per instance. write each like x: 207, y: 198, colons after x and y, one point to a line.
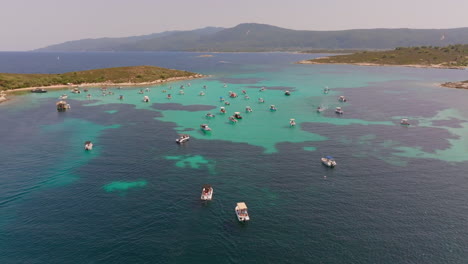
x: 261, y: 37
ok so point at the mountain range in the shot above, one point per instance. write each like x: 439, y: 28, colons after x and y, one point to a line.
x: 262, y: 37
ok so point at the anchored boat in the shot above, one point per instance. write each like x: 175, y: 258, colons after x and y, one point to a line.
x: 338, y: 110
x: 207, y: 193
x: 292, y: 122
x: 404, y: 122
x: 183, y: 138
x: 329, y: 161
x: 205, y: 127
x: 88, y: 145
x: 241, y: 212
x: 62, y: 106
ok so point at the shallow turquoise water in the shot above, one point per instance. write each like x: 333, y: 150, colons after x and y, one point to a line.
x: 397, y: 195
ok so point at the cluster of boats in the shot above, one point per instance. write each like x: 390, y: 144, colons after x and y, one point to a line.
x: 240, y: 209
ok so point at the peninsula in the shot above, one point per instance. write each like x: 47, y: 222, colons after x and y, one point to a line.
x: 120, y: 76
x: 458, y: 85
x: 449, y: 57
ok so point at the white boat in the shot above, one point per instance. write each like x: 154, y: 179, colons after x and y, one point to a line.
x: 241, y: 212
x: 404, y: 122
x: 227, y: 103
x: 169, y: 96
x: 320, y: 109
x: 210, y: 115
x: 260, y: 100
x: 248, y: 109
x: 182, y: 139
x: 338, y: 110
x: 76, y: 90
x: 222, y: 109
x: 146, y: 99
x: 329, y: 161
x: 207, y: 193
x: 287, y: 93
x: 205, y: 127
x: 147, y: 89
x: 342, y: 99
x: 237, y: 115
x: 326, y: 90
x: 181, y: 92
x: 273, y: 108
x: 233, y: 119
x: 88, y: 145
x: 262, y: 89
x: 62, y: 106
x: 292, y: 122
x: 201, y: 93
x: 63, y: 97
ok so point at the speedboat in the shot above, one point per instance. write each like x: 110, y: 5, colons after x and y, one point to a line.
x: 237, y: 115
x: 320, y: 109
x: 222, y: 110
x: 241, y: 212
x: 183, y: 139
x: 210, y: 115
x: 63, y: 97
x: 292, y: 122
x: 146, y: 99
x: 88, y: 145
x: 287, y: 93
x: 338, y: 110
x: 342, y: 99
x: 248, y: 109
x: 233, y: 119
x: 62, y: 106
x: 207, y: 193
x: 205, y: 127
x: 404, y: 122
x: 329, y: 161
x: 273, y: 108
x: 260, y: 100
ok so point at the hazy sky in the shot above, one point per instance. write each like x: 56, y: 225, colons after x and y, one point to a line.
x: 30, y: 24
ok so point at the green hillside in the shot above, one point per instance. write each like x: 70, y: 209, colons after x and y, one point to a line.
x: 260, y: 37
x: 449, y: 56
x: 134, y: 74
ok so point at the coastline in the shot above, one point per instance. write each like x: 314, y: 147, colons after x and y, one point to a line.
x: 432, y: 66
x: 456, y: 85
x: 62, y: 86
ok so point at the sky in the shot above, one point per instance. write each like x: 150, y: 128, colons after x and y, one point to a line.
x: 30, y: 24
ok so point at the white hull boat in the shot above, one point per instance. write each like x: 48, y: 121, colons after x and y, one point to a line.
x: 241, y: 212
x: 329, y: 161
x: 207, y: 193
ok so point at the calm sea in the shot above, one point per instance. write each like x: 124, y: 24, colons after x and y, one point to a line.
x: 398, y: 194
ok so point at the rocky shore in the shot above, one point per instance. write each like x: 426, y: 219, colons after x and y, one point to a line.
x: 457, y: 85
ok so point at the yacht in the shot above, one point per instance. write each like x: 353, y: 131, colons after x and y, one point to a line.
x: 329, y: 161
x: 207, y: 193
x: 183, y: 139
x: 88, y: 145
x: 342, y: 99
x: 241, y: 212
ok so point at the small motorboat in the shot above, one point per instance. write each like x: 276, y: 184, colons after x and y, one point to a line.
x: 201, y: 93
x: 326, y: 90
x: 232, y: 119
x: 273, y: 108
x: 232, y: 94
x: 227, y: 103
x: 164, y: 91
x: 241, y: 212
x: 225, y: 85
x: 63, y: 97
x: 39, y: 90
x: 338, y: 110
x: 405, y: 122
x: 248, y: 109
x: 181, y: 92
x: 182, y: 87
x: 88, y: 96
x: 76, y: 90
x: 260, y: 100
x: 210, y: 115
x: 292, y: 122
x: 207, y: 193
x: 237, y: 115
x: 88, y: 145
x: 182, y: 139
x: 221, y: 99
x: 62, y: 106
x: 188, y: 84
x: 329, y: 161
x: 146, y: 99
x: 247, y: 97
x: 262, y: 89
x: 287, y: 93
x: 222, y: 110
x: 86, y: 90
x: 121, y: 97
x: 205, y: 127
x: 244, y: 91
x: 320, y: 109
x: 342, y: 99
x: 169, y: 96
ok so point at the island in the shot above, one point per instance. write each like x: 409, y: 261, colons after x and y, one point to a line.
x: 120, y: 76
x: 448, y: 57
x: 458, y: 85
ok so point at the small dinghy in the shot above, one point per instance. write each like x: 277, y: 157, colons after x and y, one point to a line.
x: 241, y: 212
x: 292, y: 122
x: 329, y: 161
x: 88, y: 145
x: 182, y: 139
x: 207, y: 193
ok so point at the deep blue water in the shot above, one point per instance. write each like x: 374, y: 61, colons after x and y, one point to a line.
x: 398, y: 195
